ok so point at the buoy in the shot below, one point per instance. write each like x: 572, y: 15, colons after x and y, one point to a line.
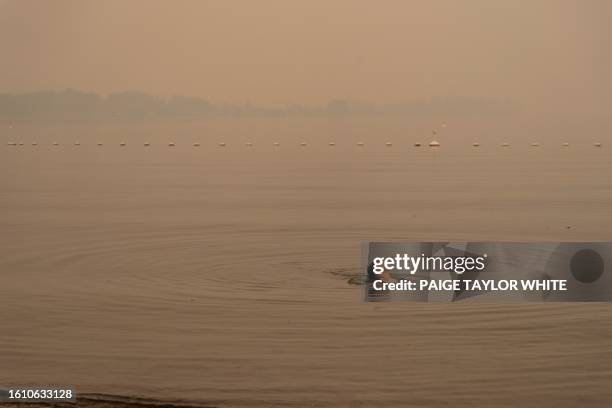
x: 476, y: 144
x: 171, y: 144
x: 332, y: 143
x: 249, y: 144
x: 535, y: 144
x: 303, y: 144
x: 597, y: 144
x: 417, y: 144
x: 388, y: 144
x: 565, y: 144
x: 196, y: 144
x: 360, y: 143
x: 505, y: 144
x: 99, y: 143
x: 276, y: 144
x: 147, y: 144
x: 78, y: 144
x: 122, y: 144
x: 55, y: 144
x: 222, y: 144
x: 434, y: 142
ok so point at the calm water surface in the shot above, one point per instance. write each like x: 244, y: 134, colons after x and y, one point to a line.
x: 218, y: 275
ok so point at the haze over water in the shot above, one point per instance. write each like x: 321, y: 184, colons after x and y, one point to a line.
x: 219, y: 275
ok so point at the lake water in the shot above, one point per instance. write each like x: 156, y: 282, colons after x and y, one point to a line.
x: 218, y: 275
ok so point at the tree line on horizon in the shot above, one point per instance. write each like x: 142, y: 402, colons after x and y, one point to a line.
x: 72, y: 104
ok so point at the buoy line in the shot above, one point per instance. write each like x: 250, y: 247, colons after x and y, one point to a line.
x: 433, y: 143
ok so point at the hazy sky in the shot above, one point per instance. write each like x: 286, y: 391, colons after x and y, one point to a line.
x: 548, y: 55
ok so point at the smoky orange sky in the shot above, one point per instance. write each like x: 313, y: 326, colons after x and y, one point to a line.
x: 546, y: 55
